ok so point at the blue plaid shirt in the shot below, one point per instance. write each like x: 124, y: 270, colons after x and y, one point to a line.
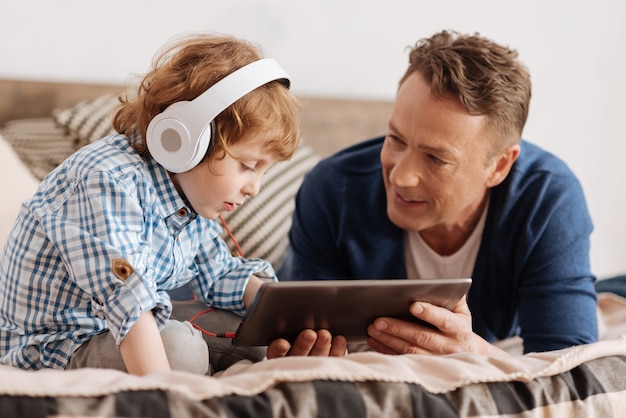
x: 101, y: 241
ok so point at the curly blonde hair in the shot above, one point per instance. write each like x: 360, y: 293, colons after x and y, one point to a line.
x: 188, y: 67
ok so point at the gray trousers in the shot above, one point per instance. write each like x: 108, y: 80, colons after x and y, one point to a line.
x: 187, y: 348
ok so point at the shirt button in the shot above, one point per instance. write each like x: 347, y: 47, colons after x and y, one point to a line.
x: 122, y: 268
x: 182, y: 212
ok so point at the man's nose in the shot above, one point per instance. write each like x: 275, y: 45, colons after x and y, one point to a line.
x: 405, y: 173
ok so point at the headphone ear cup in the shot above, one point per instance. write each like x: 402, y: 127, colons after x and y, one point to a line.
x: 180, y: 136
x: 171, y: 144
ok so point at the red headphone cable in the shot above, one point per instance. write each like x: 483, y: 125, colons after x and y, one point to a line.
x: 230, y: 234
x: 210, y: 334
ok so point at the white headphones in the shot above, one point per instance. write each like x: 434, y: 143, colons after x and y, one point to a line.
x: 180, y: 136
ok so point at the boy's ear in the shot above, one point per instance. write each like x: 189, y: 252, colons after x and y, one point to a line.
x: 502, y: 164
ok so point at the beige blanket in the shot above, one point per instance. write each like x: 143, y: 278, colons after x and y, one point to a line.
x: 435, y: 374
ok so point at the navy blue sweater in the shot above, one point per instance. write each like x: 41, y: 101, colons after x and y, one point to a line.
x: 532, y: 275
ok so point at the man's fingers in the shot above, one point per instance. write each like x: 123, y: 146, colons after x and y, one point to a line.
x: 402, y: 337
x: 379, y: 347
x: 448, y: 322
x: 393, y: 336
x: 462, y: 307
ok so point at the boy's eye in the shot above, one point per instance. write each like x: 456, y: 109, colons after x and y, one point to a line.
x: 247, y: 167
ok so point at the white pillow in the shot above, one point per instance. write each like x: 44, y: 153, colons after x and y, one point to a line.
x: 16, y: 185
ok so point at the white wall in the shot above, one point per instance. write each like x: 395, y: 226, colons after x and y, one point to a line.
x: 355, y: 48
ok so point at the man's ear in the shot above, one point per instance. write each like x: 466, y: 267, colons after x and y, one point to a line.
x: 502, y: 164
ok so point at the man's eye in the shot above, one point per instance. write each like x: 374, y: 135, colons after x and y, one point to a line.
x: 435, y: 159
x: 394, y: 140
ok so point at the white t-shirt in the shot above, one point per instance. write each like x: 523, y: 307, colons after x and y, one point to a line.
x: 422, y: 262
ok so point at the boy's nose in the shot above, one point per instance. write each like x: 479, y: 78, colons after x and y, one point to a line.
x: 252, y: 188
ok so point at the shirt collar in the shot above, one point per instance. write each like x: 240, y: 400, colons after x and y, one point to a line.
x: 171, y: 200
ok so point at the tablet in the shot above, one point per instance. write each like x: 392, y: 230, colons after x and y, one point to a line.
x: 344, y: 307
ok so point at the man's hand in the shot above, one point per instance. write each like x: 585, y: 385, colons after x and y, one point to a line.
x: 309, y: 343
x: 454, y: 333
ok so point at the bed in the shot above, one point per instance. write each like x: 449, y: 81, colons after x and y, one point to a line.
x: 42, y: 122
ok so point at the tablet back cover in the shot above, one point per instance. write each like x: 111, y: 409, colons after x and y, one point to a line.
x: 344, y: 307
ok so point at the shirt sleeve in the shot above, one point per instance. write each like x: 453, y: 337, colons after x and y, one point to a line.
x: 223, y: 277
x: 549, y: 233
x: 558, y: 301
x: 101, y: 231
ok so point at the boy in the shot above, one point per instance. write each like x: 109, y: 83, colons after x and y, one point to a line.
x: 92, y: 255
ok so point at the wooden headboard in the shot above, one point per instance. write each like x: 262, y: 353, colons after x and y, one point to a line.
x: 26, y: 99
x: 327, y: 124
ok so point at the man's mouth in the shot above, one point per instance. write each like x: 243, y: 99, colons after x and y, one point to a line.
x: 407, y: 200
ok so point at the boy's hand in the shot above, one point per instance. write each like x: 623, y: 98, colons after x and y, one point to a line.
x: 252, y: 288
x: 309, y: 343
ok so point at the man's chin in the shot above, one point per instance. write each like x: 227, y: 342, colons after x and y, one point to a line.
x: 403, y: 220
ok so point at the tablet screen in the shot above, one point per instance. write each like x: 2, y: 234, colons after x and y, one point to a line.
x: 344, y: 307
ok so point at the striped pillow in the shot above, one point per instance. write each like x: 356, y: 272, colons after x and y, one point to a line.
x: 88, y: 120
x: 40, y: 143
x: 261, y: 225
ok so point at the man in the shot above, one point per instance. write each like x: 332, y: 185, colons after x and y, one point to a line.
x: 453, y: 191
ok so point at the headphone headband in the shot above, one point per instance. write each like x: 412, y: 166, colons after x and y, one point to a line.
x: 179, y: 137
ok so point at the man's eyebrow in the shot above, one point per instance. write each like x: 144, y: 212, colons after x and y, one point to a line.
x: 392, y: 127
x: 435, y: 150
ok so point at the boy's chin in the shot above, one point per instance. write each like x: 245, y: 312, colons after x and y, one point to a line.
x: 208, y: 214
